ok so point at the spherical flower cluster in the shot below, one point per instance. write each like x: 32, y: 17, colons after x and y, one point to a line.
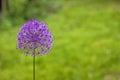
x: 34, y: 38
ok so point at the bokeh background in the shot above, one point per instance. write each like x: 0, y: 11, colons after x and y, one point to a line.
x: 86, y: 37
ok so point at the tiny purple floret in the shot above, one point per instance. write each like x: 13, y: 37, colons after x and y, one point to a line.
x: 34, y: 38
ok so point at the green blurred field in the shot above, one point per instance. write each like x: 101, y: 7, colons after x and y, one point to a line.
x: 86, y: 45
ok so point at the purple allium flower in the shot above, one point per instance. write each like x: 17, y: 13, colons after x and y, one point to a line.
x: 34, y: 38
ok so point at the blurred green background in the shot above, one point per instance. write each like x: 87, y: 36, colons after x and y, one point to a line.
x: 86, y: 39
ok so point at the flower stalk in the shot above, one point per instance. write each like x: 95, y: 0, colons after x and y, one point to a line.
x: 33, y: 67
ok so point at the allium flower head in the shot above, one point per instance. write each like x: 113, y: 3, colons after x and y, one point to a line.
x: 34, y: 38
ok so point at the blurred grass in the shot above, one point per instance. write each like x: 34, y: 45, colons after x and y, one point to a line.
x: 86, y: 46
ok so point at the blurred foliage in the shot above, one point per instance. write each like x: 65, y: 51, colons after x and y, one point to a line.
x: 32, y: 8
x: 23, y: 10
x: 86, y: 44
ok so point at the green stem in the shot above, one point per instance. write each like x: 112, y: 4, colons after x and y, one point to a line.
x: 33, y: 67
